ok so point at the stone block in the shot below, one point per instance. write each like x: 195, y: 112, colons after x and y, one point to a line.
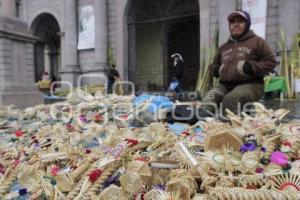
x: 213, y: 19
x: 272, y: 29
x: 21, y: 99
x: 273, y: 2
x: 272, y: 11
x: 213, y: 3
x: 272, y: 20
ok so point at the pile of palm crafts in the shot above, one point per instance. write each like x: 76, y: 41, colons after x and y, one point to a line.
x: 44, y: 84
x: 91, y: 89
x: 66, y: 151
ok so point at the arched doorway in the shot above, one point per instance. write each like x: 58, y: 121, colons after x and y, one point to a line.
x: 47, y: 50
x: 156, y: 30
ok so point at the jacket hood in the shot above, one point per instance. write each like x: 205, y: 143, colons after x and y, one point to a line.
x: 246, y: 36
x: 242, y: 14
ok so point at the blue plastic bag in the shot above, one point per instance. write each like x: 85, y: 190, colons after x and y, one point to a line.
x: 173, y: 85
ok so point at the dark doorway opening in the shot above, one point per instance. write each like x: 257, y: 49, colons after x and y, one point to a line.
x: 183, y: 37
x: 156, y: 30
x: 47, y: 56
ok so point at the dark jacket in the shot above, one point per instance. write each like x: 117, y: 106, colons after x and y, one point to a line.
x: 244, y: 60
x: 178, y: 70
x: 112, y: 74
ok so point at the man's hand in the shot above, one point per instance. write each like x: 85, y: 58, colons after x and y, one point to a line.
x: 247, y: 68
x: 216, y: 70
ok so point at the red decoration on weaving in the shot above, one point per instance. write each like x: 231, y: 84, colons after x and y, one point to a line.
x: 140, y: 196
x: 185, y: 133
x: 74, y: 167
x: 19, y: 133
x: 98, y: 117
x: 94, y: 175
x: 36, y: 141
x: 15, y: 163
x: 124, y: 116
x: 286, y: 143
x: 88, y: 151
x: 54, y: 170
x: 69, y: 127
x: 132, y: 142
x: 259, y: 170
x: 2, y: 169
x: 289, y: 185
x: 144, y: 159
x: 251, y: 187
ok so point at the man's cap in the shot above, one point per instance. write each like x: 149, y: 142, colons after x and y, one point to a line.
x: 242, y: 14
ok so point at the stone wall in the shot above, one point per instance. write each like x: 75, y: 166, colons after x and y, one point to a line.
x: 288, y: 19
x: 86, y: 59
x: 112, y: 25
x: 29, y: 62
x: 239, y: 4
x: 5, y: 60
x: 214, y: 23
x: 30, y: 9
x: 272, y: 29
x: 11, y: 58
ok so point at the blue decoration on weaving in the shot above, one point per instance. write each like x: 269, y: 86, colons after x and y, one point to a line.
x: 89, y: 145
x: 157, y: 102
x: 176, y: 128
x: 16, y: 187
x: 198, y: 130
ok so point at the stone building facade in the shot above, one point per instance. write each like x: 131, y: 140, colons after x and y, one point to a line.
x: 137, y: 34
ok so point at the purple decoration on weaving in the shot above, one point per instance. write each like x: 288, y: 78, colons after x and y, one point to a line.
x: 23, y: 191
x: 82, y: 118
x: 263, y: 149
x: 247, y: 147
x: 111, y: 180
x: 160, y: 187
x: 106, y: 149
x: 2, y: 169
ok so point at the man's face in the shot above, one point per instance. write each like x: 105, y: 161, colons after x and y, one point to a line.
x: 237, y: 26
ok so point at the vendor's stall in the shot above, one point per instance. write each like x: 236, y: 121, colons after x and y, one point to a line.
x: 88, y: 148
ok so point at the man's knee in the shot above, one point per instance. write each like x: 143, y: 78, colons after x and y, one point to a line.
x: 231, y: 102
x: 214, y: 95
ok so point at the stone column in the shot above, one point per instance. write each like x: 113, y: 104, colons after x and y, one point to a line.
x: 70, y: 68
x: 225, y: 8
x: 100, y: 35
x: 204, y: 7
x: 8, y: 8
x: 288, y: 17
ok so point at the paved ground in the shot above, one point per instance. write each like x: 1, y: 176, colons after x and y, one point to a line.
x: 292, y: 105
